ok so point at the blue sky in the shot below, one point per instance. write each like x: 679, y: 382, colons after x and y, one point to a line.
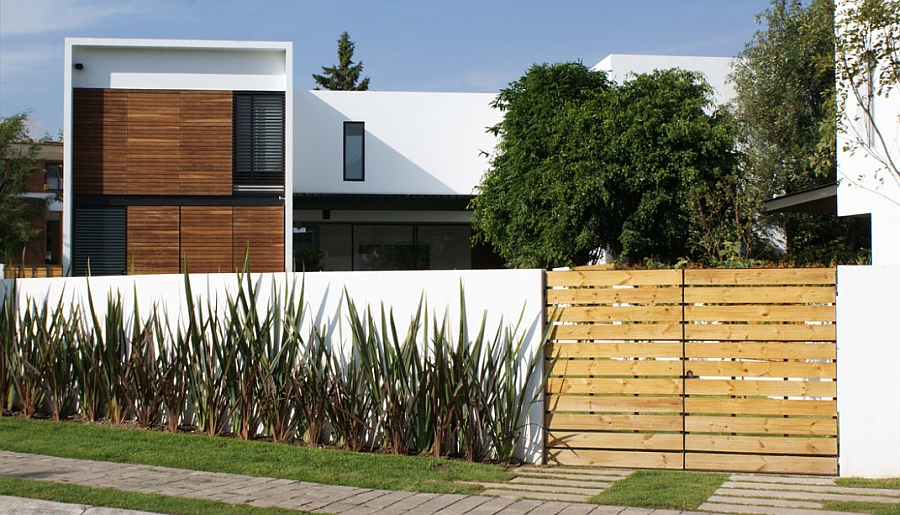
x: 405, y: 45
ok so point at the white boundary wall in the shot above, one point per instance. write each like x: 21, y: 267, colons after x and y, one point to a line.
x: 503, y: 295
x: 868, y: 370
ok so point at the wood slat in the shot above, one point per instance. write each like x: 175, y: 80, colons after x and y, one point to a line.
x: 759, y: 295
x: 762, y: 445
x: 614, y: 296
x: 607, y: 367
x: 762, y: 369
x: 614, y: 386
x: 780, y: 407
x: 774, y: 332
x: 665, y: 331
x: 642, y: 442
x: 827, y: 389
x: 760, y: 276
x: 597, y: 422
x: 761, y: 350
x: 616, y: 314
x: 595, y: 278
x: 614, y: 350
x: 206, y: 241
x: 153, y: 239
x: 761, y: 463
x: 259, y: 231
x: 615, y: 459
x: 760, y: 425
x: 613, y: 404
x: 747, y: 313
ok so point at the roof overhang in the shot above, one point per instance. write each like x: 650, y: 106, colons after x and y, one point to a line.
x: 821, y: 200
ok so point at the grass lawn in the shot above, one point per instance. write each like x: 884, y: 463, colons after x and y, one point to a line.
x: 255, y: 458
x: 875, y: 508
x: 662, y: 489
x: 890, y: 483
x: 111, y: 498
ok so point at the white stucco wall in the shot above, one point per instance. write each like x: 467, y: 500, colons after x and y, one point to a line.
x: 415, y: 143
x: 503, y: 295
x: 868, y: 370
x: 716, y: 69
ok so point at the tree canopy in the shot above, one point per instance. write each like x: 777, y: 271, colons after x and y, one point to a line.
x: 586, y: 166
x: 785, y: 108
x: 344, y: 76
x: 17, y: 153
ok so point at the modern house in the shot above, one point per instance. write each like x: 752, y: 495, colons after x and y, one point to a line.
x: 178, y: 154
x: 191, y: 153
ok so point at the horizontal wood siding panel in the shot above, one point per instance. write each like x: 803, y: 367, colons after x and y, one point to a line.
x: 612, y: 296
x: 206, y: 239
x: 152, y: 142
x: 259, y: 231
x: 586, y: 385
x: 761, y: 387
x: 779, y: 407
x: 595, y: 422
x: 611, y: 278
x: 760, y: 425
x: 153, y: 240
x: 616, y: 459
x: 613, y: 404
x: 614, y: 350
x: 759, y: 295
x: 206, y: 142
x: 762, y: 445
x: 614, y: 441
x: 764, y: 313
x: 662, y: 331
x: 761, y: 350
x: 801, y: 370
x: 761, y: 463
x: 760, y: 276
x: 608, y: 367
x: 773, y: 332
x: 595, y: 314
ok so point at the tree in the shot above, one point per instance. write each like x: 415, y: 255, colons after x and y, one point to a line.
x: 17, y: 153
x: 785, y: 105
x: 868, y: 67
x: 585, y: 166
x: 345, y: 75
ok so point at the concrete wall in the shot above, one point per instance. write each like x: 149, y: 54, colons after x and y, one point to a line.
x: 868, y: 370
x: 502, y: 295
x: 415, y: 143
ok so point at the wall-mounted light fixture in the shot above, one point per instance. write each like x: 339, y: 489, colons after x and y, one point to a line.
x: 79, y: 66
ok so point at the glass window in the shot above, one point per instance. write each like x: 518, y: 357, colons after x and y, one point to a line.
x: 449, y: 246
x: 388, y: 247
x: 54, y: 176
x: 354, y: 151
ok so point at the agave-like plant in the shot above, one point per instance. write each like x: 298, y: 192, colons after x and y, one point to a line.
x: 9, y: 316
x: 111, y: 349
x: 144, y: 371
x: 312, y: 381
x: 249, y: 333
x: 172, y: 365
x: 56, y: 334
x: 27, y: 359
x: 211, y: 364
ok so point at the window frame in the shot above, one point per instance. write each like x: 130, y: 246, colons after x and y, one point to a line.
x: 362, y: 165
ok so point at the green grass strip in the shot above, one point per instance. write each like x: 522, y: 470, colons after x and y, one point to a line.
x: 112, y: 498
x: 662, y: 489
x: 254, y: 458
x: 874, y: 508
x: 890, y: 483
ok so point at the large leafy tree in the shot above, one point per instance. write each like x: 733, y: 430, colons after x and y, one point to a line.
x: 17, y: 153
x: 586, y: 166
x: 785, y: 107
x: 344, y: 76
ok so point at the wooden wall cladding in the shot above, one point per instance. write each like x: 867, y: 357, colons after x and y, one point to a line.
x: 152, y: 239
x: 259, y: 232
x: 206, y: 233
x: 159, y: 142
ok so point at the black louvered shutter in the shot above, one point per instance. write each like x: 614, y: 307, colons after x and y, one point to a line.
x: 258, y: 142
x: 99, y: 239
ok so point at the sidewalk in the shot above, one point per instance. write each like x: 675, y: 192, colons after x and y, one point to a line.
x: 743, y: 493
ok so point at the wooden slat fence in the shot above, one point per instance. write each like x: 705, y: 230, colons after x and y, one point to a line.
x: 693, y: 369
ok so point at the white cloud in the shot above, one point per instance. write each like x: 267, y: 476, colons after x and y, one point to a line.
x: 19, y: 17
x: 15, y: 60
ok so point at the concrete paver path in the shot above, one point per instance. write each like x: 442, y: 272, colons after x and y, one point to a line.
x: 525, y: 495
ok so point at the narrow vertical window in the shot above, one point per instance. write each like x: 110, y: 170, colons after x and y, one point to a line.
x: 354, y: 151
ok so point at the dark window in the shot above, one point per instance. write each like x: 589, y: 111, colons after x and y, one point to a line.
x: 54, y: 176
x: 258, y: 141
x: 354, y: 151
x: 99, y: 241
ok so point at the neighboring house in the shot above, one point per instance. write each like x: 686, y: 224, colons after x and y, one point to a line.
x: 178, y: 152
x: 716, y: 69
x: 43, y: 188
x: 192, y: 152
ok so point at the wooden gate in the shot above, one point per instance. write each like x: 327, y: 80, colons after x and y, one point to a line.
x: 730, y: 370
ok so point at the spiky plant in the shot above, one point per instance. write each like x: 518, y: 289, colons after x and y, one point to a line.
x: 144, y: 371
x: 27, y: 359
x: 172, y: 365
x: 57, y: 330
x: 311, y: 381
x: 9, y: 315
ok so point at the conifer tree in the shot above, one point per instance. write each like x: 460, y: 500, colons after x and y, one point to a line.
x: 345, y: 75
